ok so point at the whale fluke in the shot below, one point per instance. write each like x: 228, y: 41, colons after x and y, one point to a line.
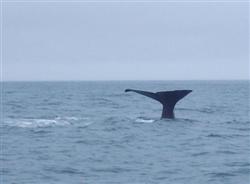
x: 168, y: 99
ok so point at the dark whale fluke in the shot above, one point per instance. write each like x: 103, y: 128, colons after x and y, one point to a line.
x: 168, y: 99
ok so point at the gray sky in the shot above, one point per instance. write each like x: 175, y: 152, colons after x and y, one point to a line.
x: 125, y: 41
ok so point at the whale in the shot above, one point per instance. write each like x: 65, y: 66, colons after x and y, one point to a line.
x: 168, y: 99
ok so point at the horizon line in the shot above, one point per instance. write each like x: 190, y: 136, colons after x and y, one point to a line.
x: 123, y: 80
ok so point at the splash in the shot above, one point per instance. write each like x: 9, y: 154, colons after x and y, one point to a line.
x: 39, y: 122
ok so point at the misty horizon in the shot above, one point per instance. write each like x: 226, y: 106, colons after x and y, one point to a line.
x: 102, y: 42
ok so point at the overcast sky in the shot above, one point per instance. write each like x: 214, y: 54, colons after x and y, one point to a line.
x: 125, y: 41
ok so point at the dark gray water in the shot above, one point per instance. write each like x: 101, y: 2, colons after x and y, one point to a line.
x: 93, y: 132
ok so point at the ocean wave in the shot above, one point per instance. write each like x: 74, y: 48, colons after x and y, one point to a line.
x: 200, y: 154
x: 114, y: 119
x: 225, y: 135
x: 205, y: 110
x: 115, y: 170
x: 104, y: 101
x: 227, y: 152
x: 66, y: 170
x: 237, y: 122
x: 238, y: 164
x: 221, y: 174
x: 43, y: 122
x: 185, y: 120
x: 242, y: 129
x: 214, y: 135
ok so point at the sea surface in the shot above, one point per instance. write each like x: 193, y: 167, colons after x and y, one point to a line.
x: 94, y: 133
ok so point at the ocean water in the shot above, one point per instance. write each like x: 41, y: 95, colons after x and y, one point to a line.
x: 93, y: 132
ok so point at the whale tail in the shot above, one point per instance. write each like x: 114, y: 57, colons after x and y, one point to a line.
x: 168, y: 99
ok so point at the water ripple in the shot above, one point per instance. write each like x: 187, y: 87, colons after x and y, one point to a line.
x: 66, y: 170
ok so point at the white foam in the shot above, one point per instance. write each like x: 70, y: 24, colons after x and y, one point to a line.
x: 33, y: 123
x: 141, y: 120
x: 68, y: 118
